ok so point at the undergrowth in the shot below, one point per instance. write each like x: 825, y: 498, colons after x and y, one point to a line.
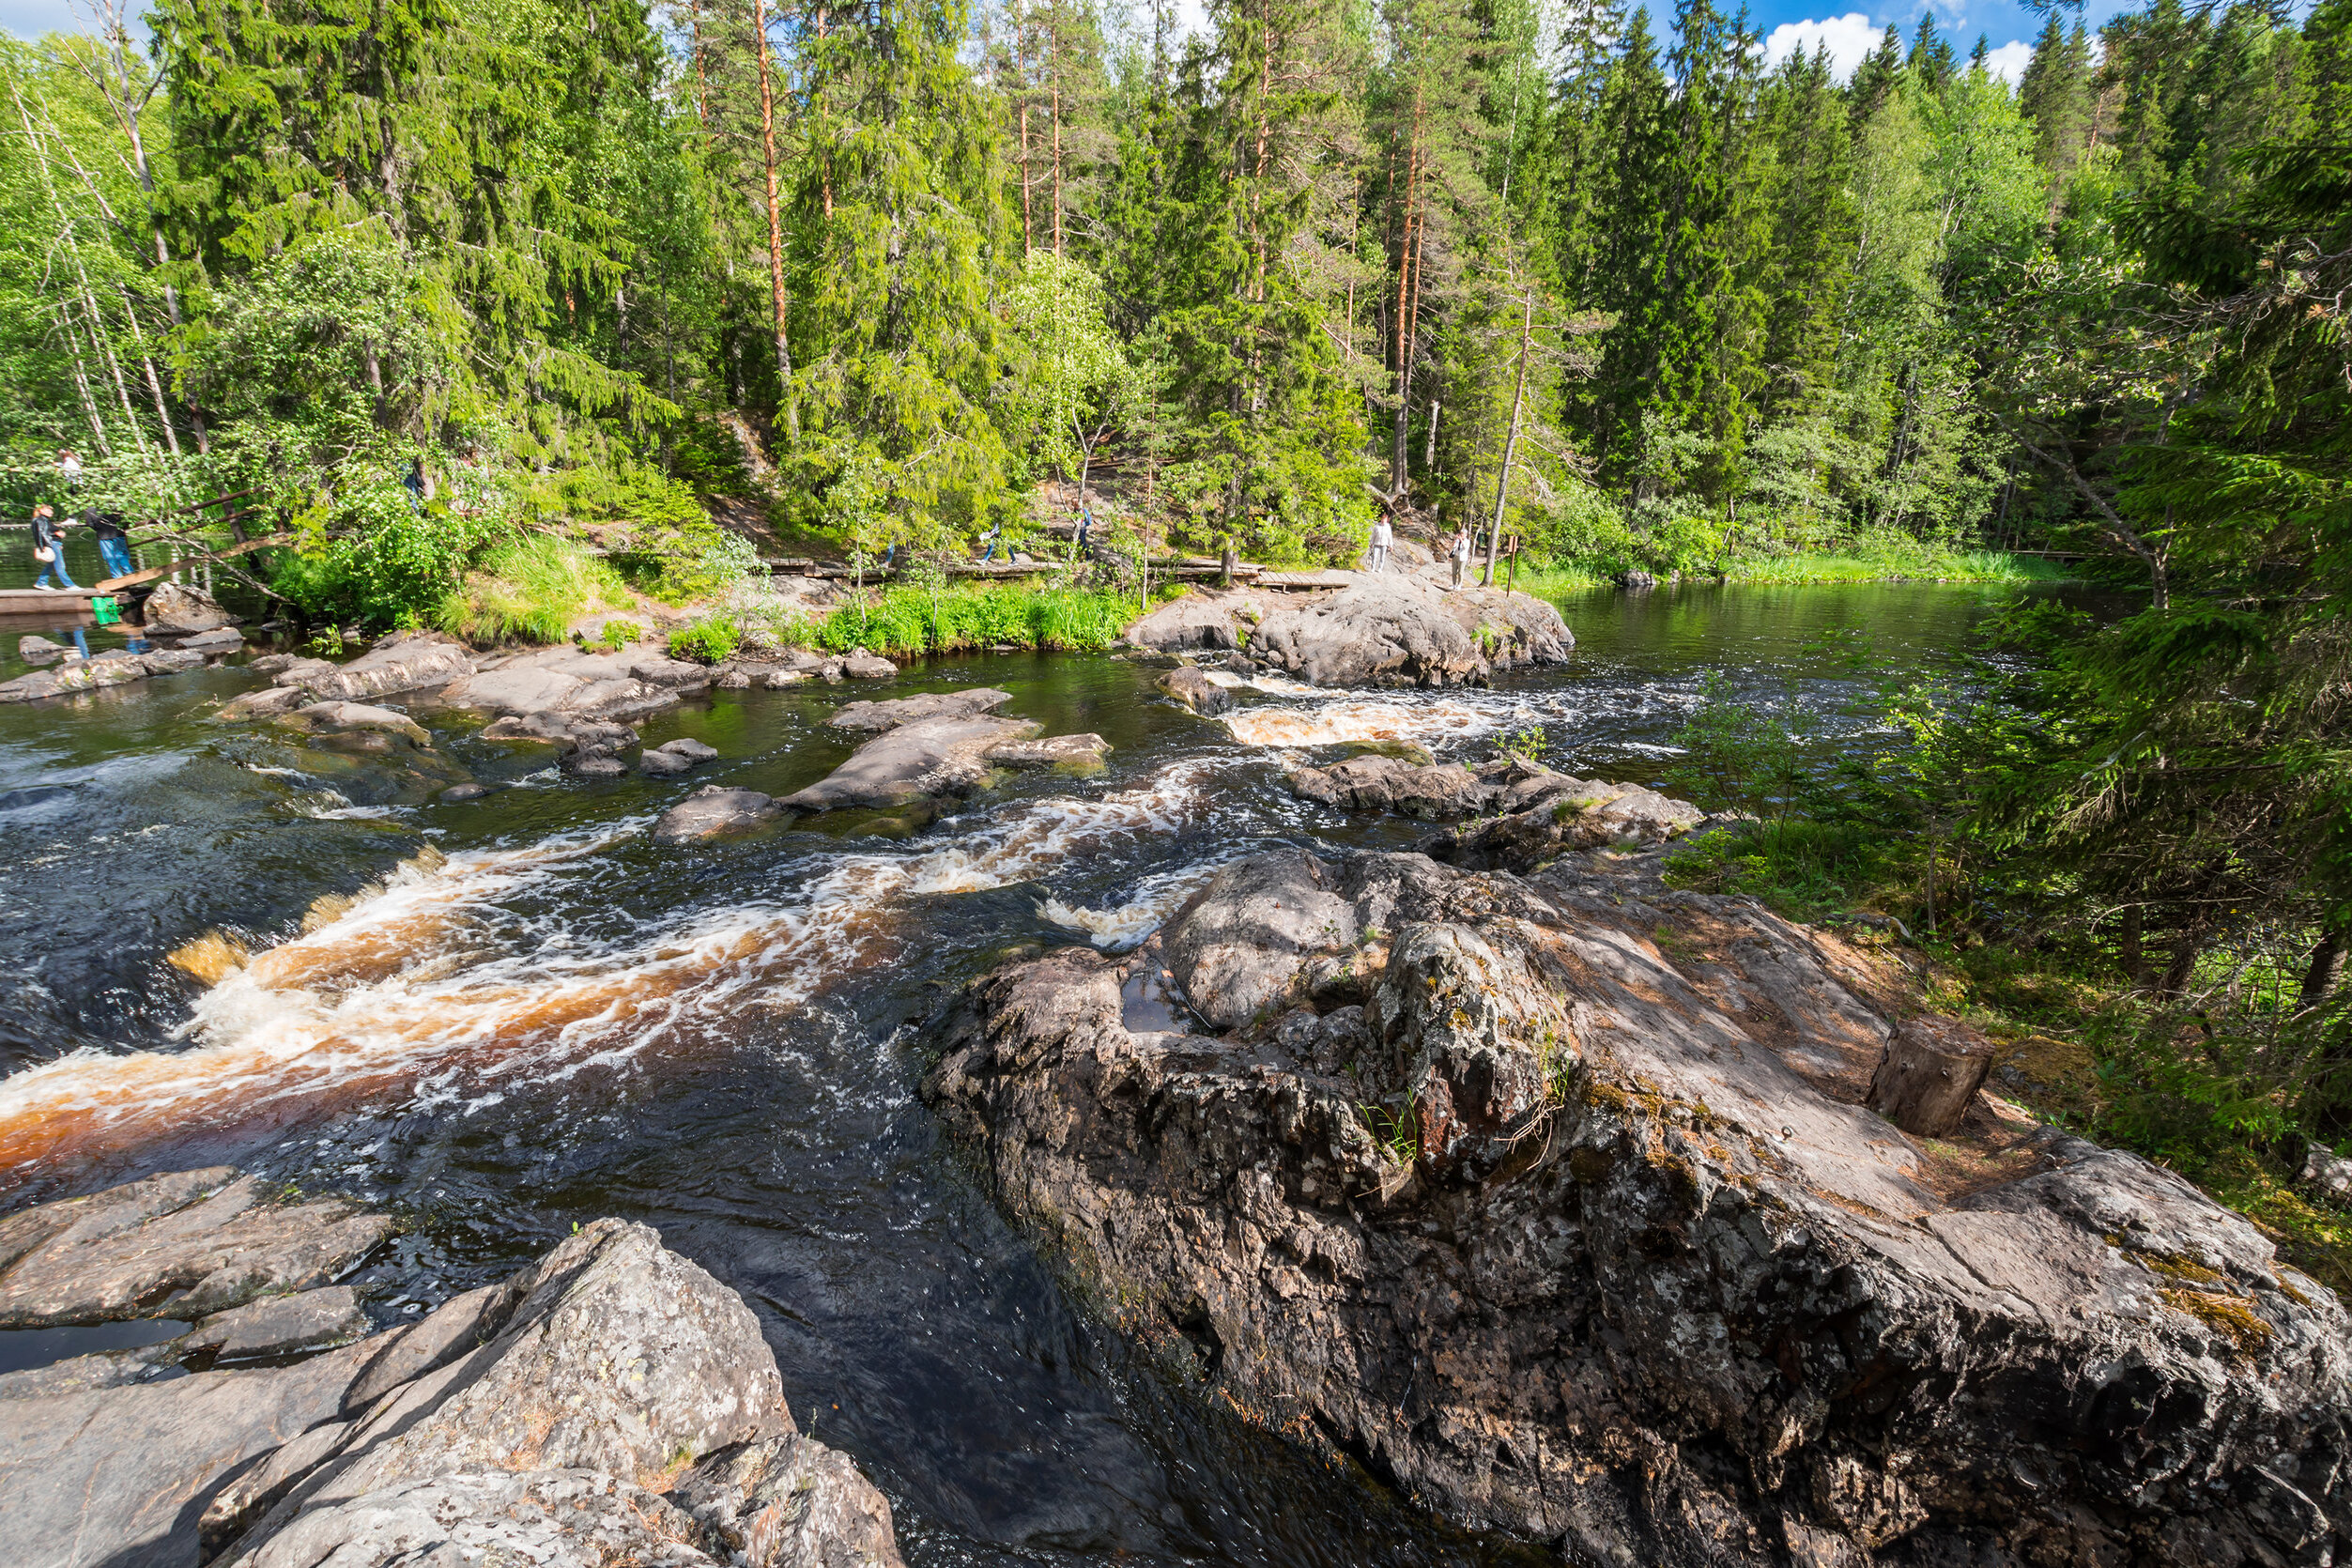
x: 529, y: 589
x: 912, y: 619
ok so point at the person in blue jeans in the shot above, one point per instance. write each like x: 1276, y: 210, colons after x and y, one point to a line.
x: 50, y: 534
x: 114, y: 542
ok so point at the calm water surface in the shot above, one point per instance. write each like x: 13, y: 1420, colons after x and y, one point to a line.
x: 506, y: 1016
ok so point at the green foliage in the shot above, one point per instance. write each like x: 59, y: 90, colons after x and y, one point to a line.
x: 617, y: 635
x: 908, y: 621
x: 691, y: 559
x: 381, y: 561
x: 712, y: 640
x: 530, y: 590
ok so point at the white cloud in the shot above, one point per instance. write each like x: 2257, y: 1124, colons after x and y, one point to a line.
x: 1852, y: 39
x: 30, y: 19
x: 2009, y: 61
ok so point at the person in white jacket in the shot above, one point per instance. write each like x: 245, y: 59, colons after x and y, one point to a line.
x: 1382, y: 537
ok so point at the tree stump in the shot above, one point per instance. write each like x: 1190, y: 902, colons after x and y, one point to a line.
x: 1929, y: 1075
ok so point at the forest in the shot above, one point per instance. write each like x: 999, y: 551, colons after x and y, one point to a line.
x: 422, y: 280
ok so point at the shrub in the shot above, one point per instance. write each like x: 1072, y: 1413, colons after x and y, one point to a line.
x: 708, y: 642
x: 393, y: 565
x: 530, y: 589
x: 900, y: 620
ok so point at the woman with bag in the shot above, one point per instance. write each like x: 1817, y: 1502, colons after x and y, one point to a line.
x: 49, y: 552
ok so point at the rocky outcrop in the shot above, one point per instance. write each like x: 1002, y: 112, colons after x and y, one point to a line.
x: 175, y: 608
x: 1200, y: 619
x: 778, y: 668
x: 678, y: 756
x: 1381, y: 630
x: 330, y: 718
x: 111, y: 668
x: 1550, y: 1201
x: 1072, y: 754
x: 610, y: 1403
x: 1532, y: 813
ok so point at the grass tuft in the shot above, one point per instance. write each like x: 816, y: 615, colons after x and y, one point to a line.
x: 529, y: 591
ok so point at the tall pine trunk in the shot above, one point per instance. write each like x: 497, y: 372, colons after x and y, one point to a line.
x: 776, y: 220
x: 1510, y: 441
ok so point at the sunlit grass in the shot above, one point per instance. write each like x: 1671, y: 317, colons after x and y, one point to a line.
x: 530, y: 590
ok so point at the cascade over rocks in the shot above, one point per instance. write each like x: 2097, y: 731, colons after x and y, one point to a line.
x: 1617, y: 1258
x: 612, y: 1403
x: 1380, y: 630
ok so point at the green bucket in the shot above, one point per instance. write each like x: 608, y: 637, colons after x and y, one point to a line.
x: 103, y: 607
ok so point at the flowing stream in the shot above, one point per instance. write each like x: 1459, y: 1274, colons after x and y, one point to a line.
x: 503, y: 1017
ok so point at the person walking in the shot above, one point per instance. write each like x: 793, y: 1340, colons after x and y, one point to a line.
x: 49, y: 551
x: 995, y: 536
x: 114, y: 542
x: 1382, y: 538
x: 1461, y: 553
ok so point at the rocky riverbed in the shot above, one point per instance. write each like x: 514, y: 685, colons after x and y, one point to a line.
x: 610, y: 1403
x: 1547, y: 1199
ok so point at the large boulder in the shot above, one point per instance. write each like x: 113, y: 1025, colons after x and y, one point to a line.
x: 914, y: 761
x: 1195, y: 690
x: 175, y: 608
x: 1399, y: 631
x: 1199, y: 618
x: 612, y: 1403
x: 1552, y: 1202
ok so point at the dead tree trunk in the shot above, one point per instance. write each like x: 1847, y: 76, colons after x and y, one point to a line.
x: 1929, y: 1076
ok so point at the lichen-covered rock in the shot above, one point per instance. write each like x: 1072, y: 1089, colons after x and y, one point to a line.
x: 405, y: 661
x: 1551, y: 1202
x: 1544, y: 815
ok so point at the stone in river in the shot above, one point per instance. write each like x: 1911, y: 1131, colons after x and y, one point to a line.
x: 690, y: 749
x: 594, y: 765
x: 662, y: 762
x: 1196, y: 691
x: 898, y: 711
x: 464, y: 792
x: 1200, y: 619
x: 714, y: 809
x: 867, y: 666
x: 342, y: 718
x: 177, y: 607
x: 928, y: 756
x: 219, y: 639
x: 30, y: 649
x: 1070, y: 753
x: 111, y: 668
x: 403, y: 662
x: 1399, y: 631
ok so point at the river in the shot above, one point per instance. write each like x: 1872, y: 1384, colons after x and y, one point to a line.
x: 509, y: 1015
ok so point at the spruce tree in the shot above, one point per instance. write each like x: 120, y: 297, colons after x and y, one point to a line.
x: 1930, y: 63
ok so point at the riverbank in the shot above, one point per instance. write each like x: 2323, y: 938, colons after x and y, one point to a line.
x: 1891, y: 561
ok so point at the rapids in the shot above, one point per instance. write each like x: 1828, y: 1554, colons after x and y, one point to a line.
x: 509, y: 1015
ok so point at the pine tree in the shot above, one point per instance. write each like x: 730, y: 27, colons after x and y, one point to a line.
x: 1930, y: 63
x: 2056, y: 95
x: 1876, y: 77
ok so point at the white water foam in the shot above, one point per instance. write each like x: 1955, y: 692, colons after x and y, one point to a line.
x: 433, y: 991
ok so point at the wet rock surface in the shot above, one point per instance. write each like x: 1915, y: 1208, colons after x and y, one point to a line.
x: 1551, y: 1202
x: 405, y: 661
x: 1207, y: 620
x: 612, y: 1403
x: 1379, y: 630
x: 1196, y: 691
x: 174, y: 608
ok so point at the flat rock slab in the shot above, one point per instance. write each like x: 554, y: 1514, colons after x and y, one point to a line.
x: 928, y: 756
x: 180, y: 1245
x: 899, y: 712
x: 280, y: 1325
x: 1395, y: 631
x: 712, y: 810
